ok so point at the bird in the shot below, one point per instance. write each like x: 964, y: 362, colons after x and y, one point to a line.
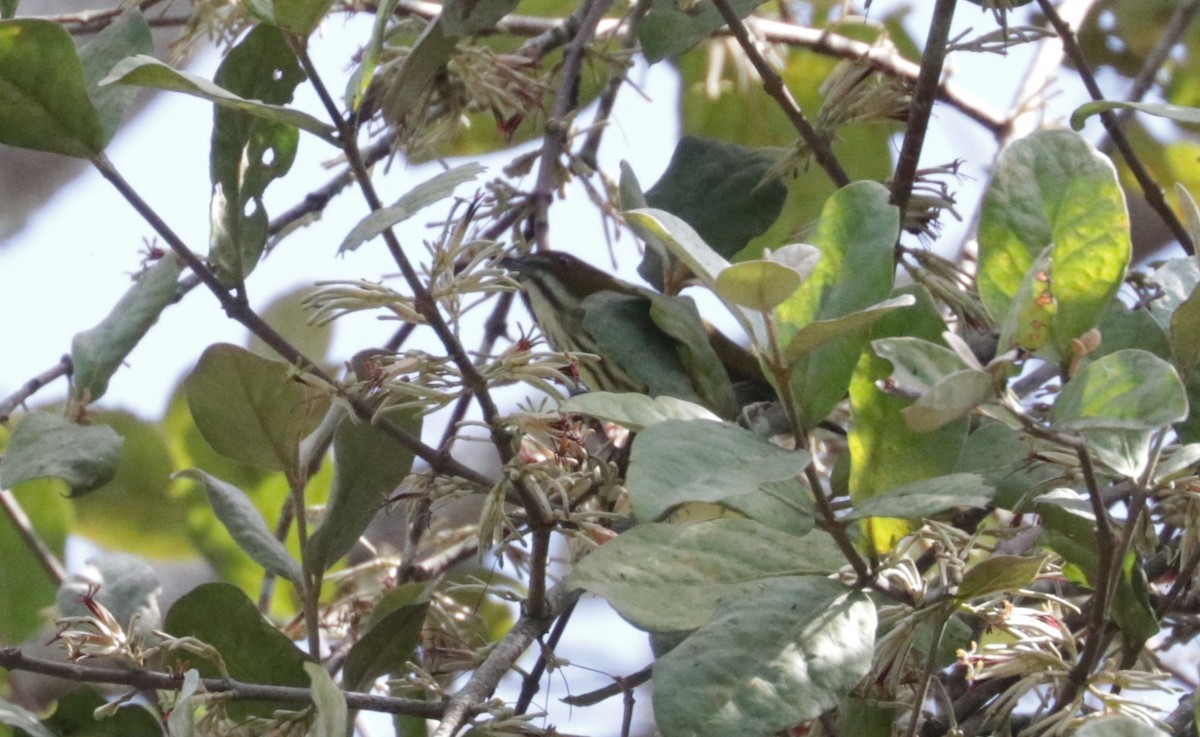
x: 647, y: 342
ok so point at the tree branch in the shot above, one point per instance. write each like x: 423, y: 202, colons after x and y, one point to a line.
x: 922, y: 103
x: 1150, y: 188
x: 487, y: 676
x: 774, y: 86
x: 33, y: 386
x: 33, y: 541
x: 13, y: 659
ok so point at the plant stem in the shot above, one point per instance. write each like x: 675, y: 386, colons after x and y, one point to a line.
x: 31, y: 387
x: 33, y: 541
x: 13, y: 659
x: 1150, y: 188
x: 774, y: 86
x: 923, y: 97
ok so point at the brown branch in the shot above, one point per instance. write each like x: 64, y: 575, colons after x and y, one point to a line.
x: 483, y: 682
x: 1150, y: 188
x: 620, y: 685
x: 238, y: 310
x: 922, y: 103
x: 10, y: 403
x: 13, y: 659
x: 566, y: 101
x: 773, y: 85
x: 33, y: 541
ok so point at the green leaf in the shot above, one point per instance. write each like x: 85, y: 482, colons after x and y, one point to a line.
x: 1032, y: 322
x: 1003, y: 457
x: 409, y: 88
x: 917, y: 365
x: 758, y: 285
x: 1158, y: 109
x: 629, y: 189
x: 952, y: 397
x: 635, y: 411
x: 1124, y: 452
x: 884, y: 452
x: 1177, y: 463
x: 669, y: 29
x: 287, y: 315
x: 926, y: 498
x: 332, y: 714
x: 1126, y: 390
x: 75, y: 715
x: 819, y: 332
x: 674, y: 462
x: 299, y: 17
x: 126, y: 36
x: 8, y: 8
x: 136, y: 511
x: 368, y: 467
x: 390, y: 638
x: 246, y: 525
x: 783, y: 652
x: 433, y: 190
x: 467, y: 17
x: 1118, y: 726
x: 249, y: 152
x: 20, y: 718
x: 1053, y: 189
x: 856, y: 234
x: 1185, y: 332
x: 44, y: 103
x: 45, y: 445
x: 146, y: 71
x: 666, y: 577
x: 998, y: 574
x: 360, y: 80
x: 1176, y: 279
x: 721, y: 190
x: 253, y: 650
x: 250, y: 409
x: 668, y: 233
x: 680, y: 320
x: 26, y: 588
x: 96, y: 354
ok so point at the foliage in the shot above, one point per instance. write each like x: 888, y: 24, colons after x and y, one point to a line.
x: 954, y: 491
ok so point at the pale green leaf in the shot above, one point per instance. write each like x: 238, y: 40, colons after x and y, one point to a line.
x: 21, y: 718
x: 146, y: 71
x: 1118, y: 726
x: 98, y: 353
x: 368, y: 466
x: 126, y: 36
x: 433, y: 190
x: 757, y: 285
x: 1053, y: 191
x: 998, y: 574
x: 179, y: 723
x: 467, y: 17
x: 669, y: 28
x: 782, y: 652
x: 45, y: 445
x: 674, y: 462
x: 390, y: 637
x: 250, y: 409
x: 246, y: 526
x: 332, y: 715
x: 1185, y: 332
x: 1178, y: 113
x: 1127, y: 390
x: 299, y: 17
x: 635, y: 411
x: 666, y: 577
x: 44, y: 104
x: 819, y: 332
x: 952, y: 397
x: 926, y: 498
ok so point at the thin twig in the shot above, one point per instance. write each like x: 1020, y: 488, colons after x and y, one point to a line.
x: 566, y: 101
x: 532, y: 681
x: 1144, y: 81
x: 33, y: 541
x: 500, y: 660
x: 242, y: 313
x: 31, y: 387
x: 13, y: 659
x: 921, y: 107
x: 1150, y: 188
x: 773, y: 85
x: 620, y: 685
